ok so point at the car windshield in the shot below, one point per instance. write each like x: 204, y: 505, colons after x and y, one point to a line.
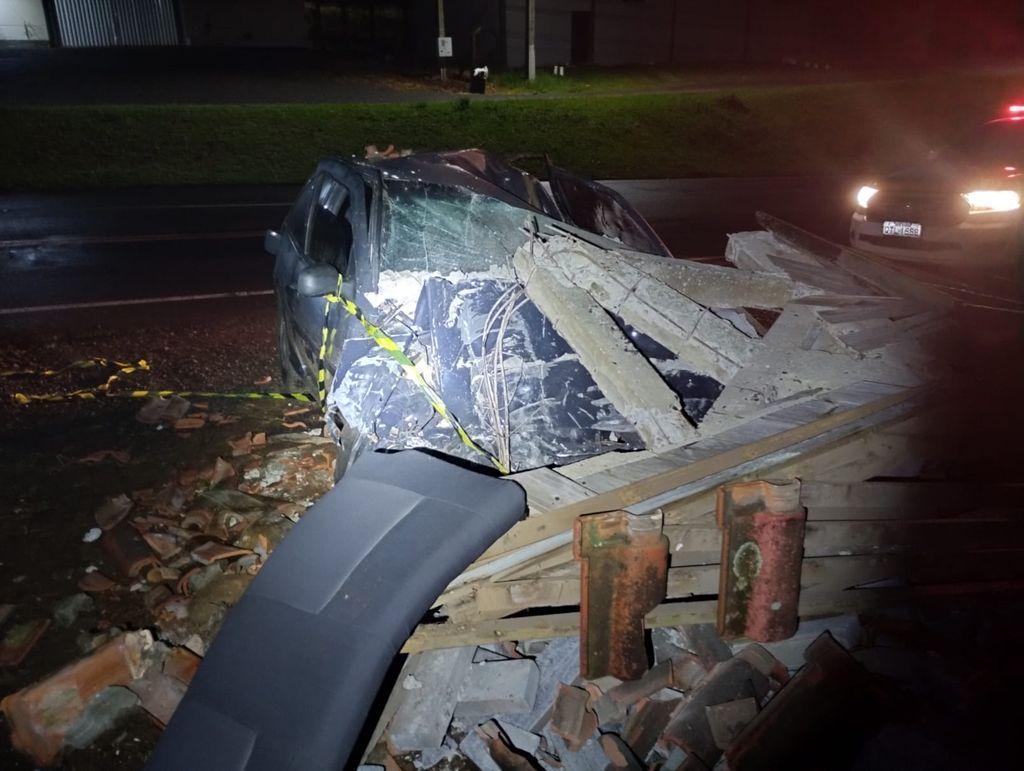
x: 999, y: 143
x: 443, y: 229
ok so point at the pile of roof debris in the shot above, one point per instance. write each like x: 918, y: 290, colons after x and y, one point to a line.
x: 561, y: 345
x: 702, y: 705
x: 172, y: 560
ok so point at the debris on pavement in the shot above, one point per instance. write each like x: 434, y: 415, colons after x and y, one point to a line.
x: 160, y: 410
x: 19, y: 641
x: 67, y: 611
x: 679, y: 714
x: 42, y: 716
x: 113, y: 510
x: 119, y: 456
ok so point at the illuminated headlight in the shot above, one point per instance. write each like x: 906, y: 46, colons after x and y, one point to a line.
x: 992, y: 200
x: 864, y: 195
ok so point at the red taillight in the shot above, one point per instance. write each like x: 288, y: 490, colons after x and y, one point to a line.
x: 1015, y: 109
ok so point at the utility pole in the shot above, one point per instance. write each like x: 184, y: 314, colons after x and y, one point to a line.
x: 440, y: 34
x: 531, y: 34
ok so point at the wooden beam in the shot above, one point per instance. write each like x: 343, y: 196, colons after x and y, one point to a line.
x: 812, y: 605
x: 769, y: 452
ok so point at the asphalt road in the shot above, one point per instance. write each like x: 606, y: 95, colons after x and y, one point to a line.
x: 60, y: 252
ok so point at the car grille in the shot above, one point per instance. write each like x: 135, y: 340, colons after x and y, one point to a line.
x: 925, y: 208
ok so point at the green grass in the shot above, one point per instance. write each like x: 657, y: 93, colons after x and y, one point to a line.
x: 823, y: 129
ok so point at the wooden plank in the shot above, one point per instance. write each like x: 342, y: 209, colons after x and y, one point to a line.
x: 859, y: 458
x: 832, y: 428
x: 866, y: 267
x: 566, y: 624
x: 547, y: 490
x: 905, y: 499
x: 701, y: 544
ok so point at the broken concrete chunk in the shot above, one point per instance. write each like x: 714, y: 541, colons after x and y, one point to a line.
x: 702, y: 340
x: 42, y: 715
x: 559, y: 662
x: 475, y: 748
x: 522, y: 740
x: 715, y: 285
x: 429, y: 696
x: 501, y: 750
x: 498, y: 687
x: 624, y: 376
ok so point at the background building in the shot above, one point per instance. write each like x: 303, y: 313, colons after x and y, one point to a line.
x: 492, y: 32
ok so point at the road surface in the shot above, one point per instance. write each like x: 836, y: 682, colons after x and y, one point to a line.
x: 59, y: 252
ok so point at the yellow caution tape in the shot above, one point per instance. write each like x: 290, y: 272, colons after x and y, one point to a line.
x: 126, y: 368
x: 408, y: 367
x: 98, y: 361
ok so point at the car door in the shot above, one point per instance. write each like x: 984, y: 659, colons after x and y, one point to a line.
x: 599, y: 209
x: 317, y: 232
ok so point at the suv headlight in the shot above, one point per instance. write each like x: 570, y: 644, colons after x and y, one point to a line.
x: 992, y: 200
x: 864, y: 195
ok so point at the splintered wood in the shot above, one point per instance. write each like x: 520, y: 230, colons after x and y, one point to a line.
x: 830, y: 380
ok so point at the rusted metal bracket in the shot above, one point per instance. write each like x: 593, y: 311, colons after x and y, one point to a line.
x: 623, y: 576
x: 762, y: 551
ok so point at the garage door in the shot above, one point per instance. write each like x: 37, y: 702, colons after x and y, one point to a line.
x: 98, y: 23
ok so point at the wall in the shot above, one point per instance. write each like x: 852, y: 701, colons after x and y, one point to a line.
x: 23, y: 21
x: 245, y: 23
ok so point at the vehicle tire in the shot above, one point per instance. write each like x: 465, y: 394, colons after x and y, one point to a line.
x: 292, y: 380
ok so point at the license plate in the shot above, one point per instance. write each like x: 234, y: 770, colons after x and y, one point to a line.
x: 903, y: 229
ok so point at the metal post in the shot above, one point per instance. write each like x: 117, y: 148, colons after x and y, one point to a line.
x: 440, y: 34
x: 531, y: 48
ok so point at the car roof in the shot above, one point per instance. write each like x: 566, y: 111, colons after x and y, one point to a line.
x: 473, y: 169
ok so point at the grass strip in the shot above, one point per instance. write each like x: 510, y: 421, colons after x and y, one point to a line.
x: 802, y: 130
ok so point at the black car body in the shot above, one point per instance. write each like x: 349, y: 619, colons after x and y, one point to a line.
x: 423, y: 245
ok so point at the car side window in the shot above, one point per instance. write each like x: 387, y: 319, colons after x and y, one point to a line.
x: 330, y: 233
x: 297, y: 221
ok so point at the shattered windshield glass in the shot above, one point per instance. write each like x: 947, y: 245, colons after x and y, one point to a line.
x: 441, y: 229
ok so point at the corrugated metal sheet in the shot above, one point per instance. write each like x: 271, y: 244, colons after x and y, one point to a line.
x: 98, y: 23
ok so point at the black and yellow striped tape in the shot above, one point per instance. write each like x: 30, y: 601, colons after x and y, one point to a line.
x: 409, y: 369
x: 122, y: 369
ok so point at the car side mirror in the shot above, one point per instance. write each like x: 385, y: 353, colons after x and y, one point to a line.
x: 270, y: 241
x: 317, y: 281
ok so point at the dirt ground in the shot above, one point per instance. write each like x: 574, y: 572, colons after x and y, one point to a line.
x: 60, y: 461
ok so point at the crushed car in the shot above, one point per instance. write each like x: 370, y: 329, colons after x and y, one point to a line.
x: 413, y: 256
